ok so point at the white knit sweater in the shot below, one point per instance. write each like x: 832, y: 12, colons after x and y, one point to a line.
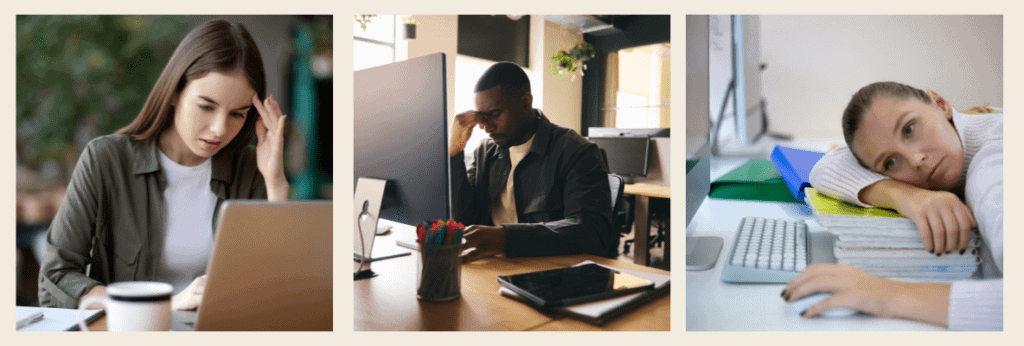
x: 973, y: 304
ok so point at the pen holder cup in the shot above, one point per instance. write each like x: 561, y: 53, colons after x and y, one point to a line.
x: 439, y: 273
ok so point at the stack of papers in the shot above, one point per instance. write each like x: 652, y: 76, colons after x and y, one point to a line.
x: 884, y: 243
x: 599, y: 312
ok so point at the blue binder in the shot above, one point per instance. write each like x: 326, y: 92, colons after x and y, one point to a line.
x: 794, y: 165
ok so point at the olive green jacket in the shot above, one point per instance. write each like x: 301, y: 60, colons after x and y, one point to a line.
x: 110, y: 226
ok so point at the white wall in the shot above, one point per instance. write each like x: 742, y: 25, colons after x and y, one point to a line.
x: 816, y: 63
x: 438, y: 33
x: 563, y: 98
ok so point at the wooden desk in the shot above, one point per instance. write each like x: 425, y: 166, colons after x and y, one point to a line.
x: 99, y: 325
x: 641, y: 223
x: 388, y: 301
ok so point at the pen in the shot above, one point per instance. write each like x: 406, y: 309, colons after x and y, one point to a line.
x: 25, y: 322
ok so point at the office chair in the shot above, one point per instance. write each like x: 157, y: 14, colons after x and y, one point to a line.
x: 617, y: 185
x: 622, y: 210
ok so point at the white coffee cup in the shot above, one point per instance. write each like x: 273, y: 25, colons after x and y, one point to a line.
x: 134, y: 306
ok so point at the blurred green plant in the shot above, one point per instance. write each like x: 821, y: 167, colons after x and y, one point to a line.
x: 323, y: 35
x: 85, y: 71
x: 573, y: 61
x: 364, y: 19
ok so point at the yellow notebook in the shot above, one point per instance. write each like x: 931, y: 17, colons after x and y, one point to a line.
x: 831, y: 206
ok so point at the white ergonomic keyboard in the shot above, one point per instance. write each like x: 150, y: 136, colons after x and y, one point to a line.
x: 774, y: 251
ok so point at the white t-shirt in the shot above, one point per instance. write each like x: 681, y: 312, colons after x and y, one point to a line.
x: 188, y: 215
x: 503, y: 209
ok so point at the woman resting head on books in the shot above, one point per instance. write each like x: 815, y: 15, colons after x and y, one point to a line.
x: 909, y: 150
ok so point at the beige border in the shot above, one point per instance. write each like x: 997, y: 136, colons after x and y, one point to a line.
x: 343, y: 146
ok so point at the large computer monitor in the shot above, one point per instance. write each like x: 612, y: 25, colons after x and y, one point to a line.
x: 401, y: 136
x: 701, y: 252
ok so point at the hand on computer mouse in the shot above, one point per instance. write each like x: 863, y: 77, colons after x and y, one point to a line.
x: 798, y: 307
x: 854, y: 289
x: 191, y: 296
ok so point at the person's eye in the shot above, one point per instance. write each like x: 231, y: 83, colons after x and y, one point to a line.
x: 889, y: 163
x: 239, y: 114
x: 908, y: 130
x: 205, y: 107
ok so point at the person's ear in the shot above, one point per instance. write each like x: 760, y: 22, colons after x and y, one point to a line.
x: 526, y: 102
x: 941, y: 102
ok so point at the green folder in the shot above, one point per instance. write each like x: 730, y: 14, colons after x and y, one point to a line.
x: 757, y: 180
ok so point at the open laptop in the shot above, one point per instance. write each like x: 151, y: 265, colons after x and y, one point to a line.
x: 271, y: 269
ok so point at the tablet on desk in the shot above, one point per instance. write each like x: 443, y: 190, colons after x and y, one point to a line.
x: 574, y: 285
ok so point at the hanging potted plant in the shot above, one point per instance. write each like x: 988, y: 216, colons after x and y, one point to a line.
x: 410, y: 27
x: 364, y: 19
x: 572, y: 62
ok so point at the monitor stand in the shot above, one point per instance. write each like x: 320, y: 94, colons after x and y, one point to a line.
x: 364, y: 274
x: 702, y: 252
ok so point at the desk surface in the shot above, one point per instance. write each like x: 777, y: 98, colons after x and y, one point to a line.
x: 647, y: 190
x: 388, y: 301
x: 714, y: 305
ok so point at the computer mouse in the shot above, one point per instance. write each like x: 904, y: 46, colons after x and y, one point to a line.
x: 383, y: 229
x: 805, y: 303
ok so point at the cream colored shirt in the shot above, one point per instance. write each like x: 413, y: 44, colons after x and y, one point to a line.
x: 503, y: 209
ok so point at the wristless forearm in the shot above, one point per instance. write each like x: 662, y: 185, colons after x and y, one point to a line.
x: 886, y: 193
x: 926, y: 302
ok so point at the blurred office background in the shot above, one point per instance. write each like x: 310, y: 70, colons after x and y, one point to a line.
x: 79, y: 77
x: 626, y: 84
x: 812, y: 65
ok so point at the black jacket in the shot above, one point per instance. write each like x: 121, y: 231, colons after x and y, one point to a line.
x: 562, y: 197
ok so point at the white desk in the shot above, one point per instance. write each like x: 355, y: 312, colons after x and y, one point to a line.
x: 714, y: 305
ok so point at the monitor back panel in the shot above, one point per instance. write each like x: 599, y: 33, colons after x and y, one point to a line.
x: 271, y: 268
x: 401, y: 136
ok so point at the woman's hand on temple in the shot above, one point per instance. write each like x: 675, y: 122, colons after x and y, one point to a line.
x: 270, y: 147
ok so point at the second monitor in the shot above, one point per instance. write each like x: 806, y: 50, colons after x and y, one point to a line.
x: 627, y: 156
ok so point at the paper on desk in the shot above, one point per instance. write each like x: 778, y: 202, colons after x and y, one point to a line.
x: 54, y: 319
x: 602, y: 310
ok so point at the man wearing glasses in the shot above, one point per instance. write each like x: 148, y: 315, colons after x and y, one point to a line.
x: 534, y: 188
